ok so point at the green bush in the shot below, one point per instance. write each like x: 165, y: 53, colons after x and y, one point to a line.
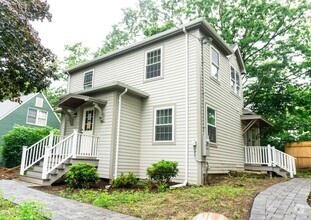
x: 163, y: 171
x: 81, y: 175
x: 124, y: 181
x: 20, y: 136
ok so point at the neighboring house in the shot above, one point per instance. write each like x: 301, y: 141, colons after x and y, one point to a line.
x: 176, y: 96
x: 34, y: 111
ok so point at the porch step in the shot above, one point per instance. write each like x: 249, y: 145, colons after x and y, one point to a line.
x: 34, y: 174
x: 279, y: 171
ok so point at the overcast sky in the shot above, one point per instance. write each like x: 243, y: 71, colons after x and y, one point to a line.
x: 86, y: 21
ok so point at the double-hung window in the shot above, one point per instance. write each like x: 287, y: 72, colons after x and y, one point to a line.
x: 211, y: 124
x: 88, y: 79
x: 235, y: 81
x: 37, y: 117
x: 215, y: 63
x: 153, y: 63
x: 164, y: 124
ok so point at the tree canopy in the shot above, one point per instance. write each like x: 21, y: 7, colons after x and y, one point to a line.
x: 26, y: 66
x: 274, y: 38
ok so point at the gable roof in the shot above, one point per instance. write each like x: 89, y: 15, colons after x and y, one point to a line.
x: 198, y: 23
x: 238, y: 55
x: 7, y: 106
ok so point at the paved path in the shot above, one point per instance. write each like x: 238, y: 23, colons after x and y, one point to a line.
x: 61, y: 208
x: 286, y: 201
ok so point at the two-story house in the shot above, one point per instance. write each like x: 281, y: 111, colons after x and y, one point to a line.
x: 176, y: 96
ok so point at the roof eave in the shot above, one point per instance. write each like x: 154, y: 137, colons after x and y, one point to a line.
x: 197, y: 23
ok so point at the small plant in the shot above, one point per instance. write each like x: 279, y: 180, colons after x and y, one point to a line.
x: 163, y: 171
x: 162, y: 187
x: 81, y: 175
x: 124, y: 181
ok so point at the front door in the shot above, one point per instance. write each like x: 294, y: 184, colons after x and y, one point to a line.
x: 86, y: 141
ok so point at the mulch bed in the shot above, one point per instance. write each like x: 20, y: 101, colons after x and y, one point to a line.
x: 9, y: 173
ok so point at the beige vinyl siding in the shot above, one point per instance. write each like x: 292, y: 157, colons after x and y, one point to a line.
x: 106, y: 133
x: 228, y: 153
x: 170, y: 90
x: 129, y: 145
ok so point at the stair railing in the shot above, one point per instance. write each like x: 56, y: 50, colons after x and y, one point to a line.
x: 56, y: 155
x: 33, y: 154
x: 267, y: 155
x: 284, y: 161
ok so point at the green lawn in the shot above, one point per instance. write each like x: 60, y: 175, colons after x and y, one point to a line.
x: 26, y: 210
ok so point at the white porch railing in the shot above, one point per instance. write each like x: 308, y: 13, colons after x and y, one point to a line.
x: 70, y: 147
x: 33, y: 154
x: 267, y: 155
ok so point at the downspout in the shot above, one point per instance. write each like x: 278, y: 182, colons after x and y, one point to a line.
x: 118, y: 134
x: 186, y: 115
x: 68, y: 83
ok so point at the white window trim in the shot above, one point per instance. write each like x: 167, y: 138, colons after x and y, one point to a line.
x: 47, y: 116
x: 93, y: 76
x: 155, y: 123
x: 207, y: 124
x: 145, y: 65
x: 212, y: 63
x: 235, y: 81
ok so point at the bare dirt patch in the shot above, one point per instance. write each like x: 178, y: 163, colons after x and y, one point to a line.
x: 231, y: 195
x: 9, y: 173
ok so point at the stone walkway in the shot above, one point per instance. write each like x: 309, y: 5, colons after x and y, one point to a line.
x: 287, y: 200
x: 61, y: 208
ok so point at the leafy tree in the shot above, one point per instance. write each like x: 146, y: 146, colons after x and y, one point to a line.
x: 76, y: 54
x: 274, y: 38
x: 54, y: 94
x: 26, y: 66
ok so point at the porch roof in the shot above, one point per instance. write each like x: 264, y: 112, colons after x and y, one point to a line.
x: 259, y: 121
x: 74, y: 100
x: 115, y: 85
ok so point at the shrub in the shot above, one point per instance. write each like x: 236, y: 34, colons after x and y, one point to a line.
x: 81, y: 175
x: 124, y: 181
x: 163, y: 171
x: 20, y: 136
x: 162, y: 187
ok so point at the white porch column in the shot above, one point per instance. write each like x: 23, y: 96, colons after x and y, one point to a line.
x: 269, y: 156
x: 74, y: 143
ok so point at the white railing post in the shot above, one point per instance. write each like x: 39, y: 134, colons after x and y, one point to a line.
x: 45, y: 163
x: 294, y: 161
x: 290, y: 161
x: 274, y: 157
x: 74, y: 143
x: 22, y: 169
x: 51, y: 139
x: 269, y: 156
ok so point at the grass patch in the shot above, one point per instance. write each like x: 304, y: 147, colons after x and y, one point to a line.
x: 304, y: 173
x: 230, y: 196
x: 26, y: 210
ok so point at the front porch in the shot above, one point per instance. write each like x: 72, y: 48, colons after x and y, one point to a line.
x: 47, y: 160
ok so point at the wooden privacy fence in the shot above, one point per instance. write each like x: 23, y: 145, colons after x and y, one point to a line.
x: 302, y: 151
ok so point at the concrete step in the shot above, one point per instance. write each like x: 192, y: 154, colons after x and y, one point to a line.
x: 34, y: 180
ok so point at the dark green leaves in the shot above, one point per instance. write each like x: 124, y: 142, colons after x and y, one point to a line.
x: 26, y: 66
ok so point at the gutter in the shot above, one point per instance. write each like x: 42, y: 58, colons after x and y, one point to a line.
x: 186, y: 115
x: 118, y: 134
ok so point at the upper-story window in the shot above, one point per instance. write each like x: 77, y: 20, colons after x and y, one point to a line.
x: 37, y: 117
x: 153, y: 63
x: 235, y: 81
x: 88, y: 79
x: 164, y: 124
x: 215, y: 63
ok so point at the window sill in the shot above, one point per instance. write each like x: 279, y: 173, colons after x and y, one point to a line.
x: 215, y: 80
x: 214, y: 145
x: 153, y: 79
x: 236, y: 95
x: 163, y: 143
